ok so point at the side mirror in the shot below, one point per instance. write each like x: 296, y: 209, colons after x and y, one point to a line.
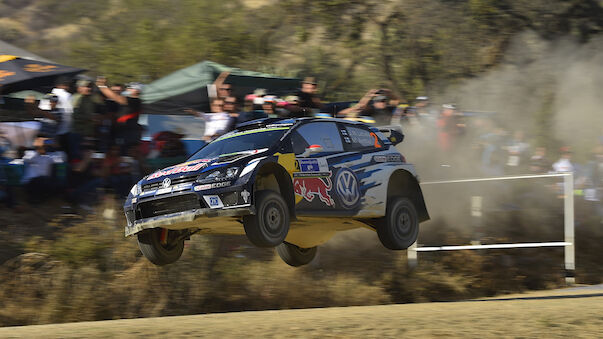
x: 312, y: 149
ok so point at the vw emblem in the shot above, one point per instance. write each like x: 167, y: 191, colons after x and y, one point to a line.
x: 347, y: 188
x: 166, y: 183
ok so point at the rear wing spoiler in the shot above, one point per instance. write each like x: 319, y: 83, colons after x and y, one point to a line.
x: 392, y: 133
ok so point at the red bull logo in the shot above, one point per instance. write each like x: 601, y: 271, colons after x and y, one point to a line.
x: 309, y: 188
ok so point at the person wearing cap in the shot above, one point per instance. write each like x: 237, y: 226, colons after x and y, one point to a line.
x: 308, y: 97
x: 86, y: 108
x: 292, y: 107
x: 128, y: 131
x: 50, y: 119
x: 269, y: 106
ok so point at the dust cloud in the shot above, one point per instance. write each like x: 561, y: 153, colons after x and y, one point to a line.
x: 549, y: 90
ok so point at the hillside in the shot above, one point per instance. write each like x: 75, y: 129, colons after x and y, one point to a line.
x: 414, y: 47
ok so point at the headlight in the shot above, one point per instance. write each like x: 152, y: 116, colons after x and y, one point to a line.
x: 136, y: 190
x: 221, y: 174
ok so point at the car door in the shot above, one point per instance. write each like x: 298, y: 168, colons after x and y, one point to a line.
x: 314, y: 144
x: 357, y: 177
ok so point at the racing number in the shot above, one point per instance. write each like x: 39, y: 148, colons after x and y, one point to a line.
x: 297, y: 166
x: 376, y: 138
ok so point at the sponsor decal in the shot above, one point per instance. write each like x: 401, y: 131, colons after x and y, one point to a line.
x: 179, y: 169
x: 164, y: 191
x: 245, y: 195
x: 311, y: 174
x: 311, y: 187
x: 213, y: 201
x: 134, y: 200
x: 212, y: 186
x: 166, y: 183
x: 388, y: 158
x: 347, y: 187
x: 311, y: 165
x: 39, y: 68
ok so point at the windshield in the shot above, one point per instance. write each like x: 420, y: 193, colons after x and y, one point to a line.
x: 239, y: 142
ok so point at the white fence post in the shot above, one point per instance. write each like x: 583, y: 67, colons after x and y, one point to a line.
x: 568, y: 228
x: 412, y: 255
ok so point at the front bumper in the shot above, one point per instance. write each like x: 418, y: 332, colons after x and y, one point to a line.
x: 185, y: 219
x: 182, y: 207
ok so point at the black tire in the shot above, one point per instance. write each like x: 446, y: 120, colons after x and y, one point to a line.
x: 400, y: 226
x: 270, y: 225
x: 296, y: 256
x: 160, y: 254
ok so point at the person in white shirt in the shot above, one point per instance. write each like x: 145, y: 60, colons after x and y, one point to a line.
x: 564, y: 164
x: 61, y: 90
x: 216, y: 123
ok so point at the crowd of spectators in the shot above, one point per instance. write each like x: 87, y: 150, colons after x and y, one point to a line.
x: 90, y: 137
x: 89, y: 141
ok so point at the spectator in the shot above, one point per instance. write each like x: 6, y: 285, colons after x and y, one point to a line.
x: 236, y: 117
x: 446, y: 127
x: 222, y: 90
x: 85, y: 177
x: 105, y: 130
x: 128, y: 131
x: 308, y: 97
x: 216, y: 122
x: 379, y: 110
x: 50, y: 119
x: 37, y: 176
x: 292, y: 107
x: 516, y: 153
x: 86, y: 112
x: 538, y: 162
x: 6, y: 192
x: 269, y: 106
x: 61, y: 90
x: 564, y: 164
x: 117, y: 172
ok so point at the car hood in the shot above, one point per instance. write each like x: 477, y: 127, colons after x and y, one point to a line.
x: 196, y: 167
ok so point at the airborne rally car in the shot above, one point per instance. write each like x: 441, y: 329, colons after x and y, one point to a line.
x: 285, y: 183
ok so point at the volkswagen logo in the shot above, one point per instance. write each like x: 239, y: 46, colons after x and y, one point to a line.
x: 166, y: 183
x: 347, y: 188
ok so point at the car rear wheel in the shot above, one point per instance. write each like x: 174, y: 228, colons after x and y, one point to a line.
x: 161, y: 246
x: 270, y: 225
x: 400, y: 226
x: 294, y: 255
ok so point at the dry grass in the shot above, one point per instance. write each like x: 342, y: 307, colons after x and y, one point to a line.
x: 579, y: 316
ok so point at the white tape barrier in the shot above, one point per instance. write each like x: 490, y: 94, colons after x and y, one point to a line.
x: 491, y: 246
x: 568, y: 224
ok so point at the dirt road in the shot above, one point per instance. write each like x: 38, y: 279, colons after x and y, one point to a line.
x: 576, y: 312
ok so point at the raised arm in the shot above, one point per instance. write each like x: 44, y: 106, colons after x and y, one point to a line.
x: 101, y: 83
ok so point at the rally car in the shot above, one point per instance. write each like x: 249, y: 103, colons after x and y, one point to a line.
x: 284, y: 183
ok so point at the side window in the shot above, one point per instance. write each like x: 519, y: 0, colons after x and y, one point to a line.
x: 324, y: 134
x: 360, y: 138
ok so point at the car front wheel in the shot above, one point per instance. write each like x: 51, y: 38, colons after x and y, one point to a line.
x: 270, y: 225
x: 400, y: 226
x: 296, y: 256
x: 161, y: 246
